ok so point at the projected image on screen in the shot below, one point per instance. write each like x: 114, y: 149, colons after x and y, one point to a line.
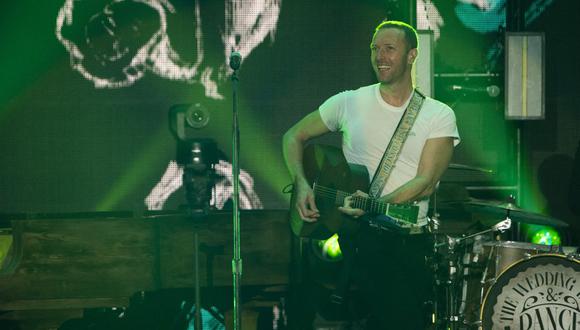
x: 90, y: 83
x: 483, y: 23
x: 115, y: 43
x: 221, y: 192
x: 476, y: 24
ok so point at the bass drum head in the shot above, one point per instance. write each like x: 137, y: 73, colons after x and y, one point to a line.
x: 542, y: 292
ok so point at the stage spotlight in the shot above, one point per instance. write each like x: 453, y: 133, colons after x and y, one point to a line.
x: 544, y: 235
x: 329, y: 249
x: 197, y: 156
x: 185, y: 120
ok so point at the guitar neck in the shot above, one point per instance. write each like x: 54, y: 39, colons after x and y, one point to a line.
x: 367, y: 204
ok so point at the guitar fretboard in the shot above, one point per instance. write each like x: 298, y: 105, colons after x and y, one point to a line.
x: 367, y: 204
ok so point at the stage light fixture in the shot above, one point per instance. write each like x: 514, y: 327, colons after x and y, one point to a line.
x: 329, y: 249
x: 196, y: 155
x: 544, y: 235
x: 186, y: 120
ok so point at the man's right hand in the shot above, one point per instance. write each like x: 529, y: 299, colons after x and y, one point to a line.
x: 305, y: 203
x: 293, y: 143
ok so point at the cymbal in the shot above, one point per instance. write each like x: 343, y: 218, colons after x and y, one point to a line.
x: 456, y: 166
x: 493, y: 205
x: 498, y: 208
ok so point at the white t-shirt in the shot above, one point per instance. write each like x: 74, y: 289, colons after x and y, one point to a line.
x: 368, y: 123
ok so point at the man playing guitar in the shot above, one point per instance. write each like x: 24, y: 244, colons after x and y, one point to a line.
x: 389, y: 266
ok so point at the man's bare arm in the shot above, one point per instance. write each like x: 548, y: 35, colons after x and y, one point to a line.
x: 435, y: 159
x: 293, y: 146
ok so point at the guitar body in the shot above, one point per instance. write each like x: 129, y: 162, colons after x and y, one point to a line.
x: 326, y: 166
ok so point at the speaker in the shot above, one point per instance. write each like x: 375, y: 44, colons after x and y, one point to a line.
x: 524, y: 79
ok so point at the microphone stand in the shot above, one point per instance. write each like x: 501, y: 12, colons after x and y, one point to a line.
x: 236, y: 261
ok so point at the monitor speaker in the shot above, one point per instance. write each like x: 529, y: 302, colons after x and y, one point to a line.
x: 524, y: 79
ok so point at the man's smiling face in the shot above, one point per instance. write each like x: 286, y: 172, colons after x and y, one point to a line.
x: 390, y: 57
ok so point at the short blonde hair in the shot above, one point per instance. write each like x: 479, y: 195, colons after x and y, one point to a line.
x: 410, y: 33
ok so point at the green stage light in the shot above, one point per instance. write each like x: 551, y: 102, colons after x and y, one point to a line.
x: 329, y: 249
x: 544, y: 235
x: 5, y: 244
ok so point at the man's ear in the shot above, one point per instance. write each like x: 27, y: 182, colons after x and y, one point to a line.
x: 412, y: 56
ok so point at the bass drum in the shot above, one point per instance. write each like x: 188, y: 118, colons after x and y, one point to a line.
x: 542, y: 292
x: 483, y: 262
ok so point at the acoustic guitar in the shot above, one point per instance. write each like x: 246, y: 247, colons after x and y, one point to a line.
x: 333, y: 179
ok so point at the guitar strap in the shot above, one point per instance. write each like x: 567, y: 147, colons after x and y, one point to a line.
x: 396, y: 144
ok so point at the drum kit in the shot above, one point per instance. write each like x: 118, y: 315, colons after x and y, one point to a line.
x: 490, y: 279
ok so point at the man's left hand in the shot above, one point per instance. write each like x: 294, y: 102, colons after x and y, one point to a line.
x: 347, y: 206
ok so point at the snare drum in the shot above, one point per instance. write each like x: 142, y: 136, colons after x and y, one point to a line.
x: 540, y: 292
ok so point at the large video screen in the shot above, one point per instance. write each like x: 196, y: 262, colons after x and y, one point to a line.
x: 87, y: 88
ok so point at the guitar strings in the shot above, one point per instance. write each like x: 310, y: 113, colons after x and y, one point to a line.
x: 357, y: 201
x: 365, y: 203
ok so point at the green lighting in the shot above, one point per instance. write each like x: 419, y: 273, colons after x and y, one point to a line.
x: 268, y: 165
x: 544, y: 235
x: 5, y: 244
x: 330, y: 249
x: 145, y: 163
x: 22, y: 65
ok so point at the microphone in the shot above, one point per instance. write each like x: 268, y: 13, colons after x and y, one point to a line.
x: 491, y: 90
x: 235, y: 60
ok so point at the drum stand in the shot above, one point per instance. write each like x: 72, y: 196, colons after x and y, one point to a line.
x: 452, y: 319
